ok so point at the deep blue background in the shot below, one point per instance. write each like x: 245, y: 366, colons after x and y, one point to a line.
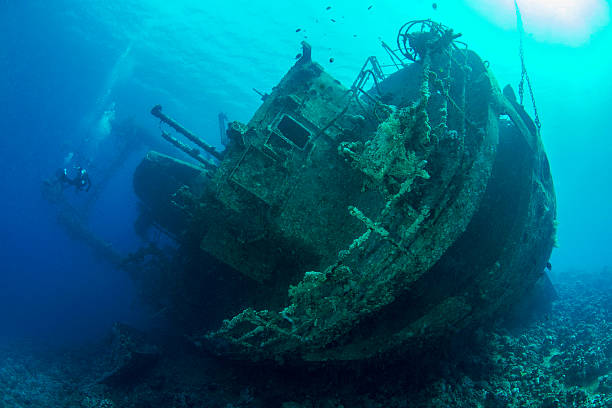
x: 51, y: 287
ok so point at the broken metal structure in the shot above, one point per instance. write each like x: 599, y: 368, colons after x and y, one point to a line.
x: 367, y: 221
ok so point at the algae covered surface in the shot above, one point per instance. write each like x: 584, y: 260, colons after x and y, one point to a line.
x: 344, y: 210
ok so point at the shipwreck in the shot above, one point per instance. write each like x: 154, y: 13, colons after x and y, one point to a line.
x: 356, y: 223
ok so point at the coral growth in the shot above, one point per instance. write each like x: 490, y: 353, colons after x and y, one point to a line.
x: 562, y: 359
x: 386, y: 159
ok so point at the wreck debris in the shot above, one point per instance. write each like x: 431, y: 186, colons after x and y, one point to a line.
x: 374, y: 221
x: 132, y: 356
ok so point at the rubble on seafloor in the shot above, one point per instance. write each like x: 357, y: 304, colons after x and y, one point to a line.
x: 561, y: 359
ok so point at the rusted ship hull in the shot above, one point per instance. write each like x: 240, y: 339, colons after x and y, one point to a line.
x: 371, y: 221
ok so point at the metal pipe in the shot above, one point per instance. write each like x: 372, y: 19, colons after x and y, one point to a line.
x: 156, y: 111
x: 393, y: 56
x: 191, y: 151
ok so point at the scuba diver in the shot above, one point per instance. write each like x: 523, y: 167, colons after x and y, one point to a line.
x: 81, y: 181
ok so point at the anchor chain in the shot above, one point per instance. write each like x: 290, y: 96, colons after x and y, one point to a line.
x: 524, y: 74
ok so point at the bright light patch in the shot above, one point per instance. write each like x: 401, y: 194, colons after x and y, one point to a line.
x: 570, y: 22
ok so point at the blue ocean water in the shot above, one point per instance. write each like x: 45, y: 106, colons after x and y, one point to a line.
x: 68, y: 65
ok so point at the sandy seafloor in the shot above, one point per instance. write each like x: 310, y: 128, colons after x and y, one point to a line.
x: 561, y: 359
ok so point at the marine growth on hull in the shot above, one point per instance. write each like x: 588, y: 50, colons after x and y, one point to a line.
x: 362, y: 222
